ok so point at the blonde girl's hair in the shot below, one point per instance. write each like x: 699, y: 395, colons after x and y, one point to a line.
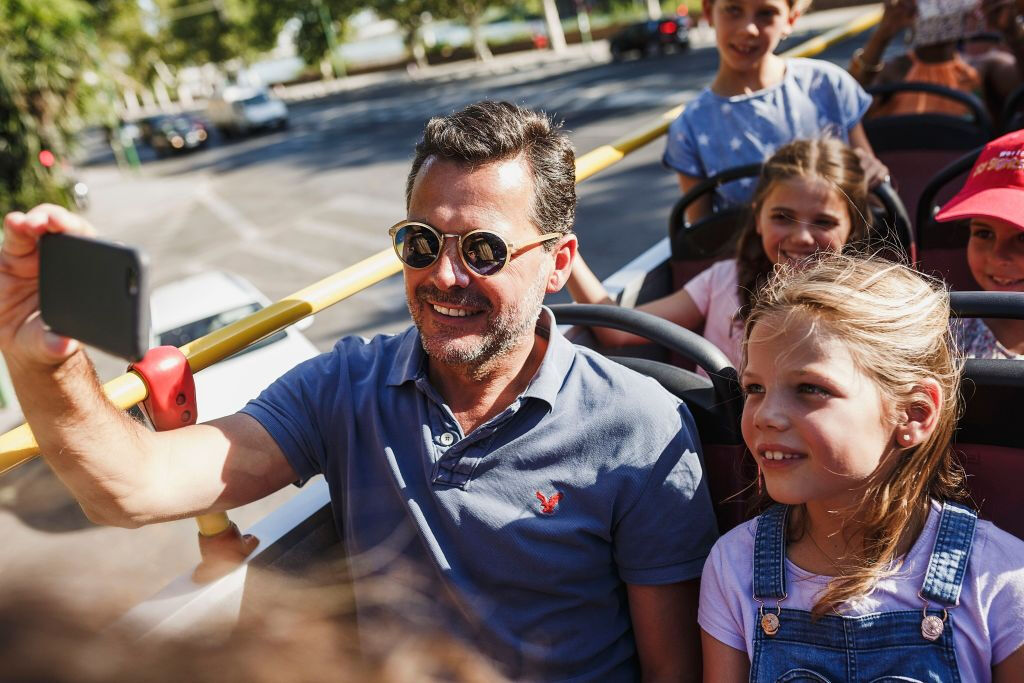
x: 826, y: 159
x: 895, y: 323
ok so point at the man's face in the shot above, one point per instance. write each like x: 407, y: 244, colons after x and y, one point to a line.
x: 465, y: 319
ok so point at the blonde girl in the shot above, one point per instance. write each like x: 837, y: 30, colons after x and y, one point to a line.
x: 759, y: 101
x: 811, y: 196
x: 854, y: 573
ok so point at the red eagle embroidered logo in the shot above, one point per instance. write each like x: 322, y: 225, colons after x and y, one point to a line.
x: 547, y: 505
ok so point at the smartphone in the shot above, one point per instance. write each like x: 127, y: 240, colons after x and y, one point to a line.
x: 96, y: 292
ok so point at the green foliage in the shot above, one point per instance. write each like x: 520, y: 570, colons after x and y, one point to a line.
x: 410, y: 14
x: 244, y: 28
x: 130, y: 49
x: 196, y: 32
x: 44, y: 56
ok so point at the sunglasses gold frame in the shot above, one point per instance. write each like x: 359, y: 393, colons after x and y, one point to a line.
x: 511, y: 248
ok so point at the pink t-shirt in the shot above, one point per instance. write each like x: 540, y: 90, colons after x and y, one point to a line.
x: 989, y: 620
x: 714, y: 292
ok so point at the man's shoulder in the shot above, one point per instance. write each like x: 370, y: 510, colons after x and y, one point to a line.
x: 599, y: 374
x: 380, y: 354
x: 378, y: 345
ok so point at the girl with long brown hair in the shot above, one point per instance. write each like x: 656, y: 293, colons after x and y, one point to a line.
x: 812, y: 195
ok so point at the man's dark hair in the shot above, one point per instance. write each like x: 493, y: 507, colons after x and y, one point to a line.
x: 488, y: 132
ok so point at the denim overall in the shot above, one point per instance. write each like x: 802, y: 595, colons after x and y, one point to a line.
x: 905, y: 646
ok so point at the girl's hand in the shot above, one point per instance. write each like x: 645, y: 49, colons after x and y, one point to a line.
x: 22, y: 332
x: 897, y: 15
x: 875, y: 171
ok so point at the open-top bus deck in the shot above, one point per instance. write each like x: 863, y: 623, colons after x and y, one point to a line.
x: 301, y: 532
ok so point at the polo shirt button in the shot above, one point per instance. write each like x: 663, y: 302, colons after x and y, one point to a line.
x: 447, y: 439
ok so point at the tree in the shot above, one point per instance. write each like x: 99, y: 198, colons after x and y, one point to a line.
x: 131, y: 50
x: 554, y: 24
x: 473, y: 12
x: 254, y: 26
x: 411, y: 16
x: 46, y: 51
x: 201, y: 31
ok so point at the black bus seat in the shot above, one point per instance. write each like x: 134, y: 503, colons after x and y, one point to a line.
x: 915, y: 146
x: 942, y: 247
x: 695, y: 246
x: 990, y: 435
x: 1012, y: 117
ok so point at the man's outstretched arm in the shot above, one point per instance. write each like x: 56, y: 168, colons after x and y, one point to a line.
x: 120, y: 472
x: 666, y: 631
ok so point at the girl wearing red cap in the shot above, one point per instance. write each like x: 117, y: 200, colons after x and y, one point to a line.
x: 993, y: 200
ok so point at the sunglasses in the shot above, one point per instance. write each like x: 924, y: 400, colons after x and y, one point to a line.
x: 419, y: 245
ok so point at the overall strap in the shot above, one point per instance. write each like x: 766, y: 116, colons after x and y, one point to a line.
x: 948, y: 562
x: 770, y: 554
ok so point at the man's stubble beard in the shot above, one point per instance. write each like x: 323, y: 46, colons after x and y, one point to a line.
x: 504, y: 334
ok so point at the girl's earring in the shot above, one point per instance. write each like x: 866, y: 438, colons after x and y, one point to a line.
x: 906, y: 438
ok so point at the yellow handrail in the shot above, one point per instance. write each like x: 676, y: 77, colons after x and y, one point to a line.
x: 19, y: 445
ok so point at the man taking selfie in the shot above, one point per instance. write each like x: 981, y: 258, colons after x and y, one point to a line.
x: 553, y: 499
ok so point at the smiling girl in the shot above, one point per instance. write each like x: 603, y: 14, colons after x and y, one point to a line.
x: 855, y: 570
x: 993, y: 200
x: 759, y: 101
x: 811, y: 196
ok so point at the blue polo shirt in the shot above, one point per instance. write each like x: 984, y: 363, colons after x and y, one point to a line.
x: 527, y: 529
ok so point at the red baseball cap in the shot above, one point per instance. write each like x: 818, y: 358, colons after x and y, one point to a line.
x: 995, y: 187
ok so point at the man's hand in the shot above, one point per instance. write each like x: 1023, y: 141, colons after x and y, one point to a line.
x: 22, y: 332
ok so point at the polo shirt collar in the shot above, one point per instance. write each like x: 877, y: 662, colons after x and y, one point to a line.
x: 557, y: 360
x: 410, y: 360
x: 409, y: 363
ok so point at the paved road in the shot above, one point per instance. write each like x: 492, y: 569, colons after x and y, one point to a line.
x: 288, y: 208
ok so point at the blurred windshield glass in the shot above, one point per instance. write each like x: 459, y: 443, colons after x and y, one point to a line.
x: 256, y: 99
x: 194, y: 330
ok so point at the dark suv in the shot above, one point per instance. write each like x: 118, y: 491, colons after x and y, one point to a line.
x: 173, y: 133
x: 652, y: 37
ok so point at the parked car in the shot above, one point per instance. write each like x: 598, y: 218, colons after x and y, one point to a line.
x: 168, y: 133
x: 239, y: 111
x: 185, y: 310
x: 652, y: 37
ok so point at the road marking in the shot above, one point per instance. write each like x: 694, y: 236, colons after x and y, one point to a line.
x: 391, y: 209
x: 371, y: 241
x: 228, y: 214
x: 281, y: 254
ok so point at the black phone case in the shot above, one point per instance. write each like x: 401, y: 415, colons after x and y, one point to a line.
x: 96, y: 292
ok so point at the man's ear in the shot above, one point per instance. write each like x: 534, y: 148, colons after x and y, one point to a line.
x: 918, y: 420
x: 564, y: 255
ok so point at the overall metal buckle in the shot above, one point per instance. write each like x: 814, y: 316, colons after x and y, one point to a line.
x: 770, y: 622
x: 932, y: 626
